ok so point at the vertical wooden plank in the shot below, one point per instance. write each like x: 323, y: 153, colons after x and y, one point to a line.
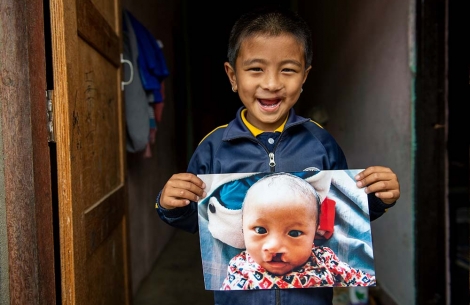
x: 22, y: 90
x: 17, y: 144
x: 63, y: 38
x: 430, y: 154
x: 41, y: 153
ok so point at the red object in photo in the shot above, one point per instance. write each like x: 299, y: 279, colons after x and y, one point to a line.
x: 327, y: 219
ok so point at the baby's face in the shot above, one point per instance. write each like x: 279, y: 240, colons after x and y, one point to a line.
x: 279, y: 228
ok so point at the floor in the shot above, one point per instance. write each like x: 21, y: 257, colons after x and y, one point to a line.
x: 177, y: 279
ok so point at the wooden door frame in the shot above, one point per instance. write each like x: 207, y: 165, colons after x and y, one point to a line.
x: 27, y: 171
x: 430, y: 166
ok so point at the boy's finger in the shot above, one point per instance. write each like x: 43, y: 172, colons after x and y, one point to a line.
x: 188, y: 177
x: 388, y: 177
x: 381, y: 186
x: 388, y: 197
x: 371, y: 170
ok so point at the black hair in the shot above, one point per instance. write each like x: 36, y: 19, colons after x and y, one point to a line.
x: 272, y: 21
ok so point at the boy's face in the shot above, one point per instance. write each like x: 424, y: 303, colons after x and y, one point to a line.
x: 270, y: 72
x: 279, y: 228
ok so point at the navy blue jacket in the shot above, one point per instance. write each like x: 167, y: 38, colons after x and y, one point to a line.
x: 232, y: 148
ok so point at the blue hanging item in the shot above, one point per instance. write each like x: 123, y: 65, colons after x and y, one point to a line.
x: 153, y: 68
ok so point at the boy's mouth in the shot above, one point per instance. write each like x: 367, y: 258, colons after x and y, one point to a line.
x: 269, y: 103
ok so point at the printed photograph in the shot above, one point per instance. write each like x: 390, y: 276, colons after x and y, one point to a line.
x: 285, y: 230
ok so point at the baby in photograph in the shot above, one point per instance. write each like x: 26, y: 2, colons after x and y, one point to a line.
x: 280, y: 216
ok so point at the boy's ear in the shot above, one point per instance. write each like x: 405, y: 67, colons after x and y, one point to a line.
x: 306, y: 73
x: 231, y: 75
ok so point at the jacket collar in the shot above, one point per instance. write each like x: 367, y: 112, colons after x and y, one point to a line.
x: 237, y: 129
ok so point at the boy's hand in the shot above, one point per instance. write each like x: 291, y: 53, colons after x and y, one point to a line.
x: 380, y: 180
x: 180, y: 189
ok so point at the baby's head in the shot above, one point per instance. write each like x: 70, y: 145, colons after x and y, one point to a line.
x: 270, y: 21
x: 280, y: 217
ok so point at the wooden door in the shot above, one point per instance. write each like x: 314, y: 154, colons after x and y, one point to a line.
x: 90, y: 140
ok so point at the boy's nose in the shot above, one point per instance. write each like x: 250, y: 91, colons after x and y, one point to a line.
x: 272, y: 82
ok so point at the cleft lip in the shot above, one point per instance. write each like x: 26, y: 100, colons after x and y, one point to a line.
x: 277, y: 257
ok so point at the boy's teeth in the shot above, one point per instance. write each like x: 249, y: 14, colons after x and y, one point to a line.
x: 270, y: 106
x: 269, y: 103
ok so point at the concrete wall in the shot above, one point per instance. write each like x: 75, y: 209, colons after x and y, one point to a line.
x: 362, y: 80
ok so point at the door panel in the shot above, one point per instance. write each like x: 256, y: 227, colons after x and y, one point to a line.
x: 98, y: 31
x: 90, y: 140
x: 106, y: 8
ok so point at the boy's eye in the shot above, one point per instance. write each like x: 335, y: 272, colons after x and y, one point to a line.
x: 256, y: 69
x: 295, y: 233
x: 260, y: 230
x: 288, y: 70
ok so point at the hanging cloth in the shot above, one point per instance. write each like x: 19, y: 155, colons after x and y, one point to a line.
x: 136, y: 101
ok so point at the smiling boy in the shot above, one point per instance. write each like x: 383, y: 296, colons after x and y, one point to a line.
x: 269, y: 59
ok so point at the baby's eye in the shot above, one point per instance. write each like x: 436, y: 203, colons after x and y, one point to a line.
x: 260, y: 230
x: 295, y: 233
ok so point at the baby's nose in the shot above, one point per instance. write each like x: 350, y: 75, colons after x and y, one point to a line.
x: 273, y: 246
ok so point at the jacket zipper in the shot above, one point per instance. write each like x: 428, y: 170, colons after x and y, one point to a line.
x: 272, y: 163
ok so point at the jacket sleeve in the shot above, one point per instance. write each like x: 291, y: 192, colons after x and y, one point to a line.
x: 185, y: 218
x: 377, y: 207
